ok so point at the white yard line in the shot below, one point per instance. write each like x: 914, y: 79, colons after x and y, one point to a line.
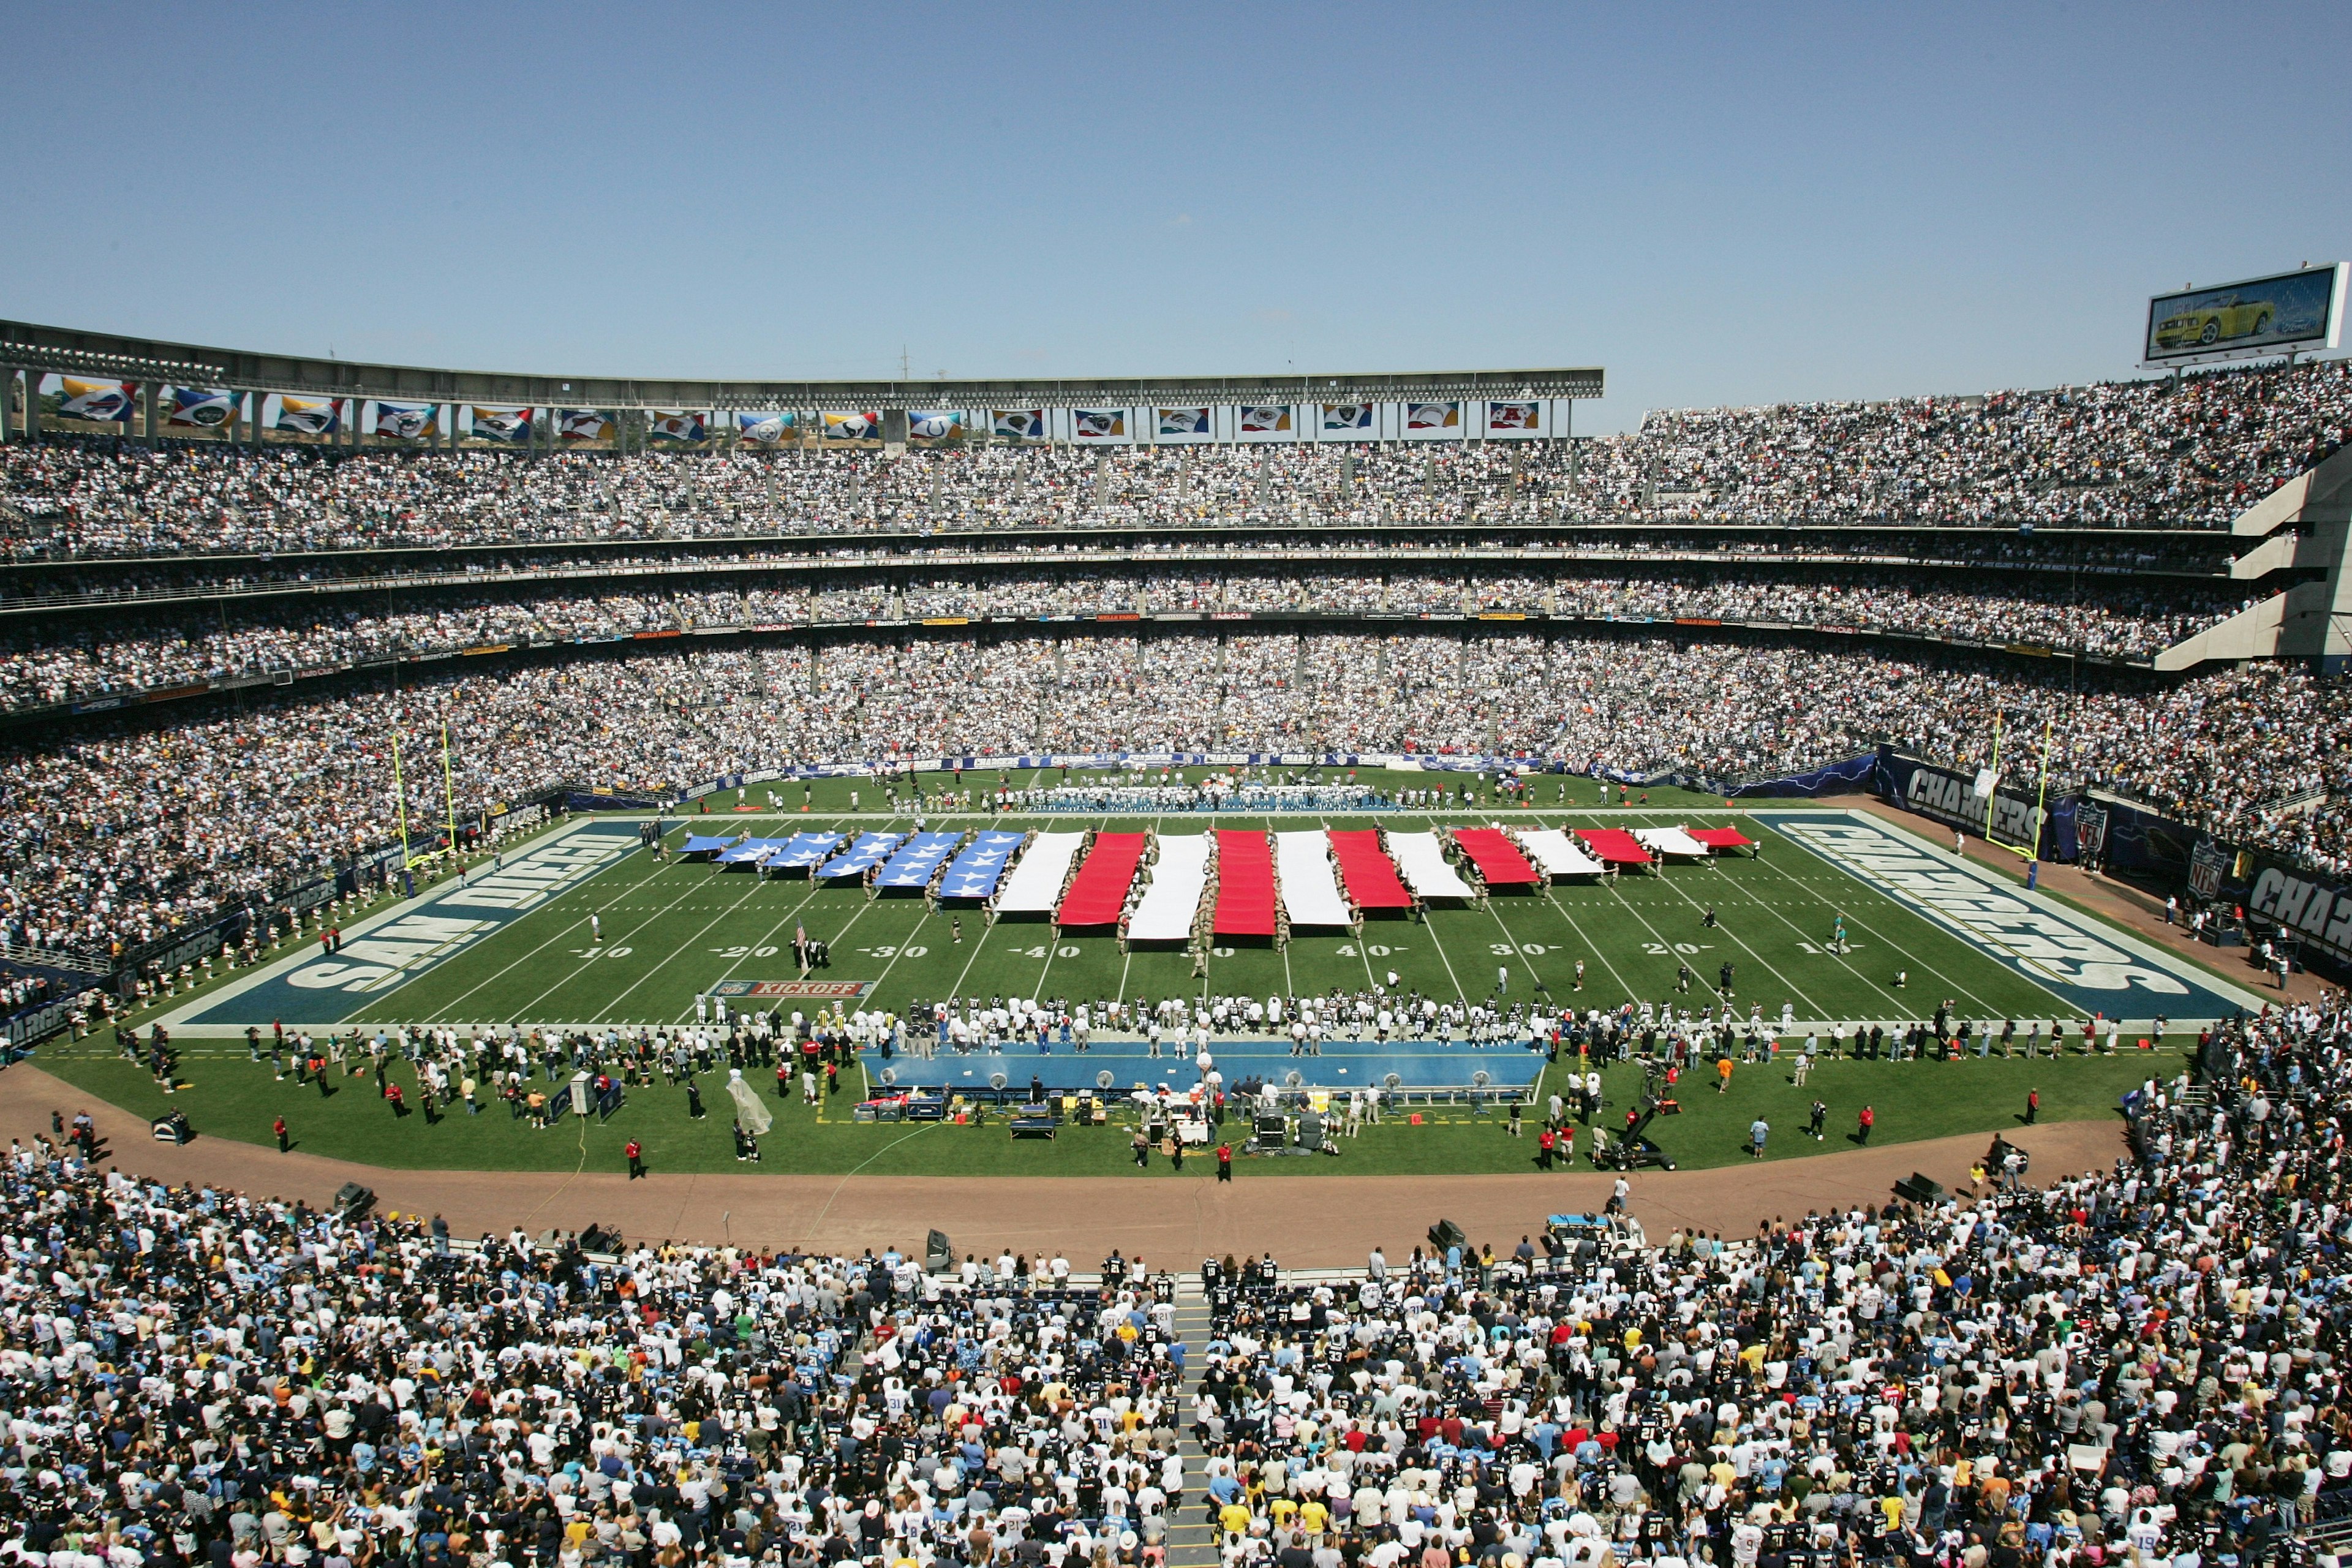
x: 1801, y: 993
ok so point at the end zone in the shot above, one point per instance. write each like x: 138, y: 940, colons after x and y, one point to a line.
x: 389, y: 949
x: 2078, y: 959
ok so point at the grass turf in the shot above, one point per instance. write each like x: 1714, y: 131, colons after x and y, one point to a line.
x: 673, y: 931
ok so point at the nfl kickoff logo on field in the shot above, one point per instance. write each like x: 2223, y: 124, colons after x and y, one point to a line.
x: 845, y: 989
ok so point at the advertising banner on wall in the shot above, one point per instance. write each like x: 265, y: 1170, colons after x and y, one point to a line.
x: 99, y: 402
x: 865, y: 427
x: 210, y: 408
x: 511, y: 426
x: 681, y: 426
x: 308, y: 415
x: 584, y: 425
x: 1018, y: 423
x: 2302, y: 310
x: 1346, y: 422
x: 1098, y: 424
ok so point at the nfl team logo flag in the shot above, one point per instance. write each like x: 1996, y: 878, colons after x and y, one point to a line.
x: 935, y: 426
x: 851, y: 427
x: 509, y: 424
x: 1342, y: 416
x: 2090, y: 830
x: 1433, y: 415
x: 305, y: 416
x: 102, y: 402
x: 1018, y: 424
x: 1183, y: 422
x: 1266, y: 420
x: 2207, y: 864
x: 675, y: 424
x: 408, y: 421
x: 584, y: 425
x: 1098, y: 424
x: 201, y: 407
x: 767, y: 429
x: 1508, y: 417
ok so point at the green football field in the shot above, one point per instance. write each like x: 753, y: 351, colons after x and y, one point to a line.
x: 674, y: 930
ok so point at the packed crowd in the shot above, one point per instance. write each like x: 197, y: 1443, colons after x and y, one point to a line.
x: 79, y: 660
x: 118, y: 834
x: 2191, y: 453
x: 2143, y: 1365
x: 1101, y: 566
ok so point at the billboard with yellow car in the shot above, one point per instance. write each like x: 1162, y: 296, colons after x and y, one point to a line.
x: 2290, y: 311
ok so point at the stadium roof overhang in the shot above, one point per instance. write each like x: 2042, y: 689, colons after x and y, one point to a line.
x: 25, y: 346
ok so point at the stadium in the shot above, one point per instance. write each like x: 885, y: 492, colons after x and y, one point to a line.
x: 1245, y: 967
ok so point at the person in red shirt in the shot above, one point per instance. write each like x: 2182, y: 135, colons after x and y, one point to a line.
x: 1544, y: 1141
x: 278, y: 1127
x: 1224, y: 1162
x: 393, y: 1097
x: 1868, y: 1120
x: 636, y: 1153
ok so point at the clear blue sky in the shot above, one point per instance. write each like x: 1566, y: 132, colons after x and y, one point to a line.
x: 1723, y: 203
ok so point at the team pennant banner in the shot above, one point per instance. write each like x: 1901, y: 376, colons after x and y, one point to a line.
x: 201, y: 407
x: 937, y: 425
x: 100, y: 401
x: 1508, y: 419
x: 1432, y: 421
x: 407, y: 421
x: 309, y: 417
x: 766, y: 429
x: 677, y: 425
x: 511, y: 426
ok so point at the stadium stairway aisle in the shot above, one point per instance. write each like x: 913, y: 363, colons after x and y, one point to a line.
x: 1191, y: 1538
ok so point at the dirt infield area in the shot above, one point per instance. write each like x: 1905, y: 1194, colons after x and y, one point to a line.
x: 1305, y: 1221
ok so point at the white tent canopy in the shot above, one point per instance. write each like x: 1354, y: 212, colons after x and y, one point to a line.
x: 1310, y: 885
x: 1036, y: 886
x: 1557, y: 855
x: 1172, y: 901
x: 1670, y: 841
x: 1425, y: 869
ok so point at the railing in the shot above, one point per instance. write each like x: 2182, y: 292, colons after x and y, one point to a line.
x: 81, y: 960
x: 135, y: 594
